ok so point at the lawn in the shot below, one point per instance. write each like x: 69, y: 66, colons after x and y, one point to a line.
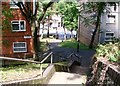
x: 72, y: 43
x: 20, y: 72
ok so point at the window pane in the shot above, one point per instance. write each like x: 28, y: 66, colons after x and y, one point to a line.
x: 22, y: 26
x: 58, y: 24
x: 19, y: 49
x: 15, y: 26
x: 110, y: 19
x: 19, y: 44
x: 15, y: 22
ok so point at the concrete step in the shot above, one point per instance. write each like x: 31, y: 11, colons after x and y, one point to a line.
x: 67, y: 78
x: 79, y: 70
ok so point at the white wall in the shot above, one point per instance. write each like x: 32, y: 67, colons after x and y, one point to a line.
x: 108, y: 24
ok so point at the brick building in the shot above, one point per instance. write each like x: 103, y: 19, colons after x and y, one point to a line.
x: 17, y: 41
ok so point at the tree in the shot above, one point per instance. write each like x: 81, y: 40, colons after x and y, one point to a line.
x: 70, y: 12
x: 35, y: 18
x: 95, y: 10
x: 49, y: 14
x: 99, y: 8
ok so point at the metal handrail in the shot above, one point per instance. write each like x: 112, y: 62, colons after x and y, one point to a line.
x: 51, y: 54
x: 46, y: 57
x: 72, y: 55
x: 30, y: 61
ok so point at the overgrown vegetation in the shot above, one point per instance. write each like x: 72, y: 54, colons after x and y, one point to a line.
x: 72, y: 43
x: 111, y: 51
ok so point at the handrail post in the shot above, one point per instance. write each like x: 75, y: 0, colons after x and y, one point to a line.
x: 51, y: 58
x: 41, y: 70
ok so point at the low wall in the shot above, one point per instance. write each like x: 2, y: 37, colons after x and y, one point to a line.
x: 111, y: 74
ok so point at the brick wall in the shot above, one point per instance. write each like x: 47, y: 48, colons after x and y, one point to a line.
x: 86, y: 34
x: 9, y: 36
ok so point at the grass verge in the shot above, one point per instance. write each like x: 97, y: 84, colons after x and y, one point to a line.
x: 19, y: 72
x: 72, y: 43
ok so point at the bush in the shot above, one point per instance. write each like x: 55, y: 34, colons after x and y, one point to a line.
x: 110, y: 51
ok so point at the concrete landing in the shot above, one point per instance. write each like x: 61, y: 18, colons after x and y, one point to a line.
x: 67, y: 78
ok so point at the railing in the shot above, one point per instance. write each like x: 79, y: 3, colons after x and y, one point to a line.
x: 30, y: 61
x: 51, y: 61
x: 73, y: 59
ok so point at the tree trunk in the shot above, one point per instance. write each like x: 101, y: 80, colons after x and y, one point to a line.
x: 57, y: 33
x: 78, y: 41
x: 36, y: 43
x: 36, y: 40
x: 96, y: 29
x: 42, y: 32
x: 71, y: 34
x: 48, y: 28
x: 78, y: 34
x: 65, y: 35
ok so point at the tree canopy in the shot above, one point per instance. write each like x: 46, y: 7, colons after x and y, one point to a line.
x: 70, y: 13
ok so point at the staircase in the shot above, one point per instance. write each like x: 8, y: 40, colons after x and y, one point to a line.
x: 76, y: 75
x: 67, y: 78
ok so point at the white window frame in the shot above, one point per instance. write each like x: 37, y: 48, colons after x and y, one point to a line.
x: 19, y: 25
x: 15, y: 6
x: 110, y: 38
x: 19, y: 47
x: 111, y: 20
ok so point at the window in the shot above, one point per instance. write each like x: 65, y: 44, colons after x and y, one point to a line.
x: 109, y: 36
x: 12, y: 4
x: 19, y: 47
x: 58, y: 24
x: 110, y: 19
x: 18, y: 25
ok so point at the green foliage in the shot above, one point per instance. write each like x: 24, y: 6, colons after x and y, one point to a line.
x: 110, y: 51
x: 70, y: 14
x: 6, y: 24
x: 7, y: 13
x: 73, y: 44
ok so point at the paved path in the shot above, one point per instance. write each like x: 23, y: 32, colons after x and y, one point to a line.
x: 63, y: 53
